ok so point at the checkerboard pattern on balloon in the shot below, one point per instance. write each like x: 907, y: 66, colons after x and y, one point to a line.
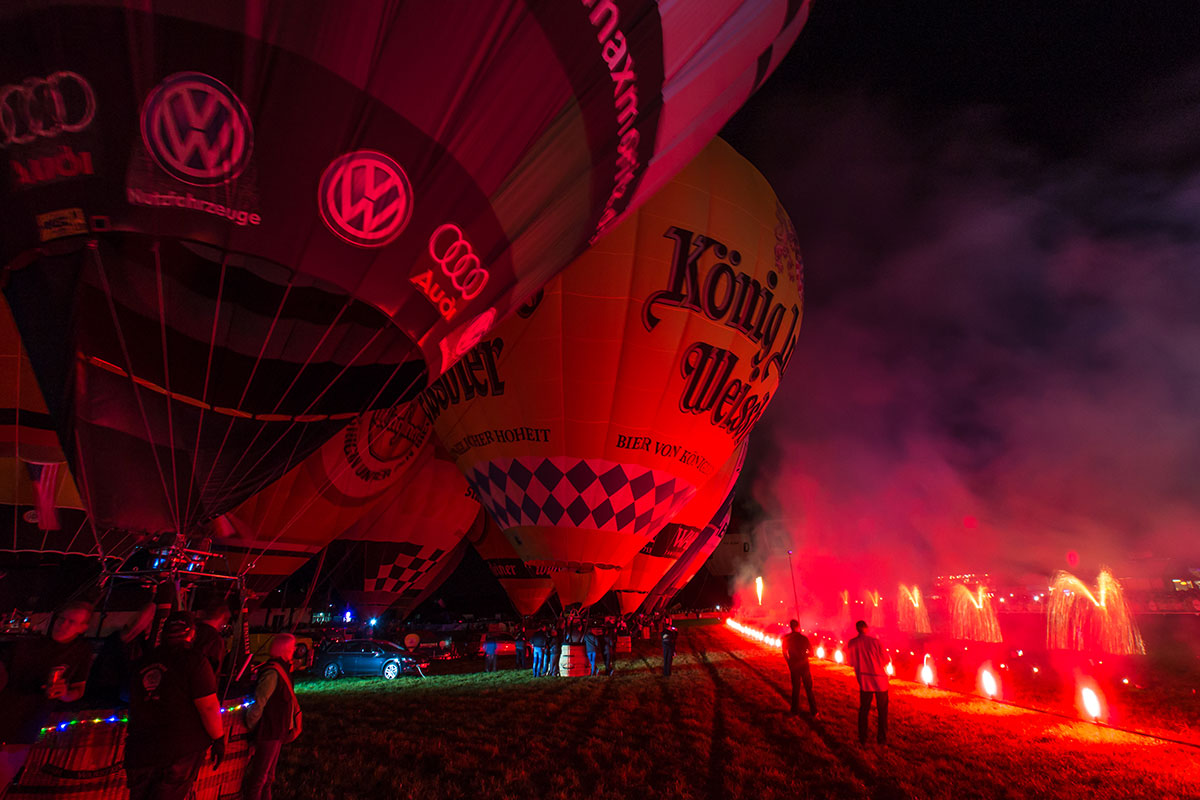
x: 400, y: 564
x: 594, y: 493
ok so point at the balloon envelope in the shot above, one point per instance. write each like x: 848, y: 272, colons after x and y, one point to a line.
x: 274, y: 532
x: 690, y: 562
x: 399, y: 553
x: 231, y: 229
x: 526, y: 586
x: 588, y: 419
x: 651, y: 563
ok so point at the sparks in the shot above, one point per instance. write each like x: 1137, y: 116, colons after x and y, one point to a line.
x: 758, y: 583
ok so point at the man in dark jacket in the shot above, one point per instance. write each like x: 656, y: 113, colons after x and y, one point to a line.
x: 174, y: 717
x: 610, y: 646
x: 555, y: 651
x: 489, y: 652
x: 795, y: 652
x: 669, y: 636
x: 210, y: 640
x: 274, y: 718
x: 591, y: 644
x: 519, y: 645
x: 38, y: 674
x: 538, y: 641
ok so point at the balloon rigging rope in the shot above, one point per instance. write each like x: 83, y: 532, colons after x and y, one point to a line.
x: 93, y: 247
x: 166, y: 361
x: 283, y: 396
x: 330, y: 479
x: 212, y: 343
x: 246, y: 389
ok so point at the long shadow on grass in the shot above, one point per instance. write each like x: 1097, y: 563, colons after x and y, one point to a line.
x: 881, y: 786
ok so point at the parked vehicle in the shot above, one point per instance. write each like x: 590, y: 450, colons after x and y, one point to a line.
x: 505, y: 644
x: 373, y: 657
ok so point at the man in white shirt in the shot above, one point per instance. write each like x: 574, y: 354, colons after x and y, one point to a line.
x: 866, y: 655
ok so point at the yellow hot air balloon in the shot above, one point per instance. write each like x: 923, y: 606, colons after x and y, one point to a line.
x: 651, y: 563
x: 591, y: 417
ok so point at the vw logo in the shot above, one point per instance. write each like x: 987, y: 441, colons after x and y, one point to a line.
x: 365, y: 198
x: 197, y: 129
x: 45, y: 107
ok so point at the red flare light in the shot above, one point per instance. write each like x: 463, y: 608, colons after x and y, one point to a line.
x: 1091, y: 703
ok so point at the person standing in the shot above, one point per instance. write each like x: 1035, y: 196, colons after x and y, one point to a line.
x: 538, y: 641
x: 489, y: 652
x: 554, y: 649
x: 210, y: 640
x: 795, y: 652
x: 519, y: 645
x: 40, y: 673
x: 591, y: 644
x: 274, y: 718
x: 669, y: 636
x: 865, y: 654
x: 610, y: 646
x: 174, y: 716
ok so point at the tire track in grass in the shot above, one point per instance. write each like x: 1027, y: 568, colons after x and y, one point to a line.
x: 866, y: 778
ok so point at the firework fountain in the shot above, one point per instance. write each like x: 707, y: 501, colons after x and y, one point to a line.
x: 844, y: 620
x: 913, y: 615
x: 972, y: 615
x: 1078, y: 619
x: 876, y: 610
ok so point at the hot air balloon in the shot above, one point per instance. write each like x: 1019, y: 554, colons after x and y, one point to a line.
x: 686, y: 567
x: 590, y: 418
x: 228, y: 230
x: 40, y: 507
x: 651, y: 563
x: 274, y: 532
x: 525, y: 586
x: 403, y: 550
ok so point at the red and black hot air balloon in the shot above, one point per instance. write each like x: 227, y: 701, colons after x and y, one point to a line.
x: 527, y: 587
x: 228, y: 229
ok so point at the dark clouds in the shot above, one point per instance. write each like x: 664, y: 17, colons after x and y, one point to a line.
x: 1000, y: 358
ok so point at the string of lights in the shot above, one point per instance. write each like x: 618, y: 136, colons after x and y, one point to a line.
x: 114, y: 719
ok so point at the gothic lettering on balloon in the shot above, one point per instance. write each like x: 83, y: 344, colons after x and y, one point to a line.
x: 711, y: 389
x: 724, y: 294
x: 475, y: 375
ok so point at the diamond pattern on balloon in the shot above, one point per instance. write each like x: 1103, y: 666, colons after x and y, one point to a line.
x: 594, y: 494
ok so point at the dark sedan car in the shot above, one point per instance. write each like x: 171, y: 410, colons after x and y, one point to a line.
x: 367, y: 657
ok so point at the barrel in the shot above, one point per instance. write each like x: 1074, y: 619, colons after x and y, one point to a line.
x: 625, y: 644
x: 574, y: 661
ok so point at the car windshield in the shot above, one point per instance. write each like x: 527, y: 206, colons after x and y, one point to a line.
x: 391, y: 647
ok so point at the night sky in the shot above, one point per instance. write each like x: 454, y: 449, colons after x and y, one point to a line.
x: 999, y: 206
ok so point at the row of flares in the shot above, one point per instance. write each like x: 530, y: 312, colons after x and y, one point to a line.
x: 1077, y: 617
x: 1088, y: 697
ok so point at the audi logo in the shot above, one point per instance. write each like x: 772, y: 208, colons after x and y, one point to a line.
x: 45, y: 107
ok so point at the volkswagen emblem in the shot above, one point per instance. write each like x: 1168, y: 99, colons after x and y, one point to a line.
x: 365, y: 198
x: 197, y: 129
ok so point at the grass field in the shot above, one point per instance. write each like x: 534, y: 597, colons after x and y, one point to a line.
x: 715, y: 729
